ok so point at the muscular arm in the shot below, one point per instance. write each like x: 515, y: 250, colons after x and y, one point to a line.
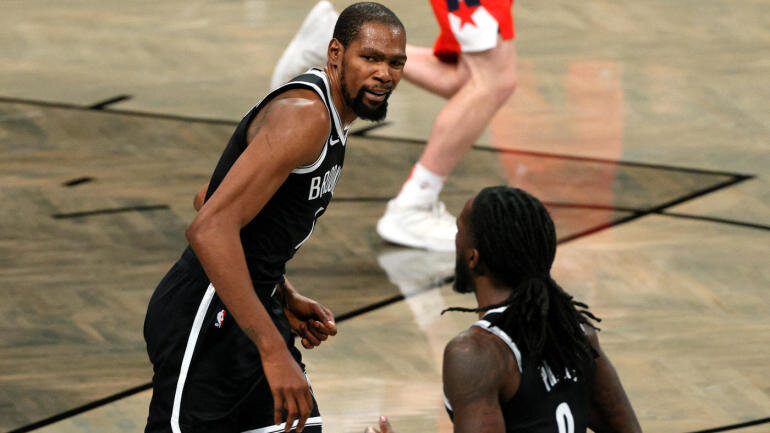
x: 278, y: 143
x: 476, y: 371
x: 611, y: 410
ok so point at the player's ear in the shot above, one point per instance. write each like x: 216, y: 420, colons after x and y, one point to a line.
x: 334, y: 53
x: 472, y: 255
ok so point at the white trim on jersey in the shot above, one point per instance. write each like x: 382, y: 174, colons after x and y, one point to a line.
x: 485, y: 325
x: 340, y: 131
x: 187, y: 358
x: 314, y: 421
x: 309, y: 168
x: 496, y: 310
x: 312, y: 227
x: 329, y: 107
x: 447, y: 403
x: 332, y: 112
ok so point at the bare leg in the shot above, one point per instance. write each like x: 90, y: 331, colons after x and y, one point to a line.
x: 492, y: 79
x: 477, y: 87
x: 425, y: 70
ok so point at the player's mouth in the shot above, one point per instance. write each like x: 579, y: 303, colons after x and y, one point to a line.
x: 376, y: 95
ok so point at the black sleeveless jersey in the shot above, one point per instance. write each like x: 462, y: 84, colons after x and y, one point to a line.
x: 288, y: 218
x: 542, y: 403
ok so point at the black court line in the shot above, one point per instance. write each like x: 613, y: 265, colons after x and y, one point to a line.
x: 735, y: 426
x: 657, y: 209
x: 109, y: 211
x: 376, y: 306
x: 362, y: 132
x: 162, y: 116
x: 565, y: 157
x: 392, y: 300
x: 717, y: 220
x: 86, y: 407
x: 103, y: 104
x: 78, y: 181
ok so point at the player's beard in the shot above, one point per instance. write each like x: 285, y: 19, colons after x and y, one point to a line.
x: 463, y: 281
x: 357, y: 104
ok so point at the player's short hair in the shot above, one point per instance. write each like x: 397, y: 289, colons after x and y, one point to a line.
x: 354, y: 16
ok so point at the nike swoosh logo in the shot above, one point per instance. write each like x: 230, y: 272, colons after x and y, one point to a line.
x: 332, y: 141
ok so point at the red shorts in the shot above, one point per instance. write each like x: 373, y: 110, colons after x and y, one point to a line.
x: 469, y: 26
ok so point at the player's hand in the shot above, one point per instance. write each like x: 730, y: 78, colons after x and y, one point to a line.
x: 310, y: 320
x: 384, y: 427
x: 311, y: 332
x: 291, y: 391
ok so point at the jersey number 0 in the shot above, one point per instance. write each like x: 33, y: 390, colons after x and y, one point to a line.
x: 564, y: 419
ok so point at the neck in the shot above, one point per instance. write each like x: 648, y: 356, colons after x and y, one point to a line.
x: 335, y: 82
x: 490, y: 292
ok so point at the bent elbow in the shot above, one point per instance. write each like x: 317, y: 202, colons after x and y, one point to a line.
x: 195, y: 232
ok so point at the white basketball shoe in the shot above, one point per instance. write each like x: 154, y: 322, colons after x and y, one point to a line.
x: 427, y: 226
x: 308, y: 47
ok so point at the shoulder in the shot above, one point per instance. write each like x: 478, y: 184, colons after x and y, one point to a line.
x: 300, y: 101
x: 472, y: 344
x: 592, y: 336
x: 477, y: 357
x: 299, y: 109
x: 297, y: 121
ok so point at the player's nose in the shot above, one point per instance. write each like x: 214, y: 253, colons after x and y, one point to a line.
x: 382, y: 73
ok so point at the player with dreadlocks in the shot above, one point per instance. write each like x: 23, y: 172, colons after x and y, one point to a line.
x: 533, y: 362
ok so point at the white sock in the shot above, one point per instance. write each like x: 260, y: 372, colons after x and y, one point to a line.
x: 422, y: 187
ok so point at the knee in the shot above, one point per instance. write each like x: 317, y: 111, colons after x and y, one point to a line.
x: 496, y: 88
x: 496, y: 79
x: 505, y: 84
x: 455, y: 83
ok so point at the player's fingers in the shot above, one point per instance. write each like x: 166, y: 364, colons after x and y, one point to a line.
x: 385, y: 425
x: 326, y: 316
x: 291, y: 409
x: 305, y: 405
x: 278, y: 407
x: 317, y: 330
x: 311, y: 336
x: 322, y: 328
x: 306, y: 344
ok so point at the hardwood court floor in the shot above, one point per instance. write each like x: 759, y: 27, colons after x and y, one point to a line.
x: 643, y: 126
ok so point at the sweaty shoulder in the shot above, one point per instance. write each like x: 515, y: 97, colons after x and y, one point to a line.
x: 298, y: 118
x: 480, y: 358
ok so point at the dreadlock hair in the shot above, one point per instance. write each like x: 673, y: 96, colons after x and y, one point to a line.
x: 516, y: 240
x: 354, y: 16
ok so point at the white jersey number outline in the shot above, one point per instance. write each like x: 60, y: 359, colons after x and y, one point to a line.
x: 564, y: 419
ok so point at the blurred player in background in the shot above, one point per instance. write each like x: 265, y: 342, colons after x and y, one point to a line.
x: 472, y: 64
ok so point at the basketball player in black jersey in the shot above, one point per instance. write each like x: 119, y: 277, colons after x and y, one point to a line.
x: 217, y: 331
x: 533, y: 362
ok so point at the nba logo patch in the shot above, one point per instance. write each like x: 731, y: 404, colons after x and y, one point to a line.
x: 220, y: 318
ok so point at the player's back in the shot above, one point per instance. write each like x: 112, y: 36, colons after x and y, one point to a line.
x: 542, y: 404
